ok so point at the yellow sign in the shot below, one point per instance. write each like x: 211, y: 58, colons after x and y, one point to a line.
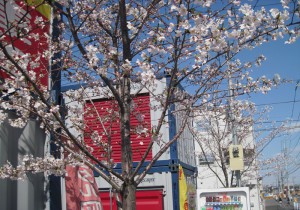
x: 43, y: 8
x: 236, y: 154
x: 183, y: 197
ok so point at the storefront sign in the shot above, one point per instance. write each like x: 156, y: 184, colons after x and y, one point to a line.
x: 81, y: 189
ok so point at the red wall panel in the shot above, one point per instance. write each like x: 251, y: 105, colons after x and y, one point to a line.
x: 102, y: 116
x: 145, y: 200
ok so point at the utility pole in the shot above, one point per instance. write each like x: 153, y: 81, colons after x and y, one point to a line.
x: 286, y: 170
x: 282, y: 182
x: 233, y: 129
x: 278, y: 178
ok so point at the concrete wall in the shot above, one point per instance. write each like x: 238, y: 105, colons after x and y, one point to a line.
x: 14, y: 143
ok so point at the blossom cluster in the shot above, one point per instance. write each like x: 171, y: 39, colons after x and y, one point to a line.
x: 29, y: 164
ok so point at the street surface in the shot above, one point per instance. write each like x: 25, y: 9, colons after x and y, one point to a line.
x: 272, y: 204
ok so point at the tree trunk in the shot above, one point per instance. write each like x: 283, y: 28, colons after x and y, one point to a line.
x: 129, y: 188
x: 128, y: 196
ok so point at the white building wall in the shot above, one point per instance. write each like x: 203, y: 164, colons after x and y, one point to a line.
x: 185, y: 143
x: 155, y: 112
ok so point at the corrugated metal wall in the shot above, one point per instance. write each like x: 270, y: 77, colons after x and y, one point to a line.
x: 145, y: 200
x: 25, y: 194
x: 185, y: 143
x: 103, y: 117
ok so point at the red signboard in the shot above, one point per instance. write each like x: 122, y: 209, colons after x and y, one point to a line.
x: 26, y: 29
x: 103, y: 118
x: 81, y: 189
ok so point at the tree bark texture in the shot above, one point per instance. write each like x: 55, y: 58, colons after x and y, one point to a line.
x: 129, y: 188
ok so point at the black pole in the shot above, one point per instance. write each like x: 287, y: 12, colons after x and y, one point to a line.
x: 55, y: 88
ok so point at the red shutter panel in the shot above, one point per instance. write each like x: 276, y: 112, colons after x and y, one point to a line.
x: 145, y: 200
x: 107, y: 111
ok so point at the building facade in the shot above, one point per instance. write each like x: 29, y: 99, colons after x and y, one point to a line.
x: 160, y: 188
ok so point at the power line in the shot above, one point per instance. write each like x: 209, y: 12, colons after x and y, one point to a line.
x: 270, y: 129
x: 275, y: 103
x: 295, y: 93
x: 276, y: 121
x: 296, y: 169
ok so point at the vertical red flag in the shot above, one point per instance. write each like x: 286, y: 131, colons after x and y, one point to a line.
x: 81, y: 189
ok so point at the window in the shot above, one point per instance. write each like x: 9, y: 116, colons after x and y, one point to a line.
x: 205, y: 160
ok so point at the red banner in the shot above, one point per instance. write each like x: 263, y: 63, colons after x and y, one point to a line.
x: 81, y: 189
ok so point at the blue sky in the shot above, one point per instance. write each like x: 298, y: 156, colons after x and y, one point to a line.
x: 284, y: 60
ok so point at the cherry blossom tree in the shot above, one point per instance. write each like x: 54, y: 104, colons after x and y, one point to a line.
x: 214, y: 134
x: 119, y: 44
